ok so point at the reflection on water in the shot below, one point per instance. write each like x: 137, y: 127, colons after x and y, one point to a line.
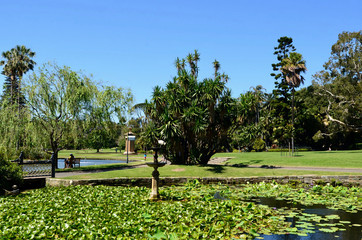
x: 351, y: 232
x: 89, y: 162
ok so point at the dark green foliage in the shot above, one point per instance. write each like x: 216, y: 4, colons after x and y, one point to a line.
x: 280, y: 102
x: 10, y: 174
x: 340, y: 87
x: 9, y: 95
x: 253, y: 119
x: 193, y: 117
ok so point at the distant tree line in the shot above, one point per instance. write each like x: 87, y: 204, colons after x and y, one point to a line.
x: 55, y: 107
x: 198, y: 118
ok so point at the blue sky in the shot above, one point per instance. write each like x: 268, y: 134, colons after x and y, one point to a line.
x: 134, y: 44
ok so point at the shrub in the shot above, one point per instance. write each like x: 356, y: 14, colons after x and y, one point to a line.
x: 10, y: 174
x: 259, y: 145
x: 35, y: 154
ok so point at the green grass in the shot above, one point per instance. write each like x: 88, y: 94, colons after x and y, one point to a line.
x: 202, y: 171
x: 337, y: 159
x: 340, y: 159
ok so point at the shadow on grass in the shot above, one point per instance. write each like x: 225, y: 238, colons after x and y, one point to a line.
x: 246, y: 163
x: 219, y: 169
x: 214, y: 168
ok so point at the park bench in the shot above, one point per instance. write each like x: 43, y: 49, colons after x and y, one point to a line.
x: 76, y: 162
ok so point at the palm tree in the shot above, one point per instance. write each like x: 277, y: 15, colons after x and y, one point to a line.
x: 17, y: 62
x: 292, y: 67
x: 9, y: 70
x: 216, y: 67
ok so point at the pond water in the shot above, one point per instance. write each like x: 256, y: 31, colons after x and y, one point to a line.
x: 89, y: 162
x: 351, y: 222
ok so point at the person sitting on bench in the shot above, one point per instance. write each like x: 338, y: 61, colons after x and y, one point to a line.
x: 69, y: 162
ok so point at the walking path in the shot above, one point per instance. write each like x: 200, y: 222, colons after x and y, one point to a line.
x: 220, y: 161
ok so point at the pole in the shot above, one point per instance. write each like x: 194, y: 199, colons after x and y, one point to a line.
x: 53, y: 165
x: 127, y: 145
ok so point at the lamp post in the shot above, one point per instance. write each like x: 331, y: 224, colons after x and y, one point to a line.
x: 127, y: 146
x: 130, y: 138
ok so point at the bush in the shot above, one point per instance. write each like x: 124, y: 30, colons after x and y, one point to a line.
x: 35, y: 154
x: 259, y: 145
x: 286, y: 150
x: 10, y: 174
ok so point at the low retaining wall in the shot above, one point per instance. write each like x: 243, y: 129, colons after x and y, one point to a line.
x: 168, y: 181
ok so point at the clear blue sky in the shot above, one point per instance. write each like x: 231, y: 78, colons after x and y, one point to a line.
x: 133, y: 44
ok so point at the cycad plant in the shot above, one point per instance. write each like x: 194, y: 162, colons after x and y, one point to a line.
x: 193, y: 117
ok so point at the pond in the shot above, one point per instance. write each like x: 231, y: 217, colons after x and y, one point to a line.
x: 319, y: 222
x: 89, y: 162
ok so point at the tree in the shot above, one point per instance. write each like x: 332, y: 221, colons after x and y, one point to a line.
x: 280, y: 102
x: 193, y: 117
x: 339, y: 84
x: 292, y: 67
x: 64, y: 103
x: 18, y: 62
x: 105, y: 123
x: 252, y: 113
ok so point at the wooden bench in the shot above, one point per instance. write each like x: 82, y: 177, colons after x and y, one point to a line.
x: 76, y: 162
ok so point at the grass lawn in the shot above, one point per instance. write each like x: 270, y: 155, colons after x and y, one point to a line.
x: 202, y: 171
x: 340, y: 159
x: 337, y: 159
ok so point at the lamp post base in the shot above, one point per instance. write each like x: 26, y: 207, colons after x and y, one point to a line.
x: 155, y: 179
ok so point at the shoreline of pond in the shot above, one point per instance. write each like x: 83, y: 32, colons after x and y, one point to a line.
x: 352, y: 180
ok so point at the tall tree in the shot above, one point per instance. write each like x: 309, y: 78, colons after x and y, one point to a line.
x: 18, y: 61
x: 280, y: 107
x: 292, y: 67
x: 193, y: 117
x: 339, y: 84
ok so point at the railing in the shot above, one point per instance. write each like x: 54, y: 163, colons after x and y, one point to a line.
x: 37, y: 169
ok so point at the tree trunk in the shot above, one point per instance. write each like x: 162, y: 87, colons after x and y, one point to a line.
x: 293, y: 121
x: 55, y: 151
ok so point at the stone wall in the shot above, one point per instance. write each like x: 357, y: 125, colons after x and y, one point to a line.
x: 168, y: 181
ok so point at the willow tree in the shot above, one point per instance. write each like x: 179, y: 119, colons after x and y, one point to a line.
x: 64, y: 104
x: 193, y: 117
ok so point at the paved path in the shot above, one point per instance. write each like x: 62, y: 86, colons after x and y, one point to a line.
x: 220, y: 161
